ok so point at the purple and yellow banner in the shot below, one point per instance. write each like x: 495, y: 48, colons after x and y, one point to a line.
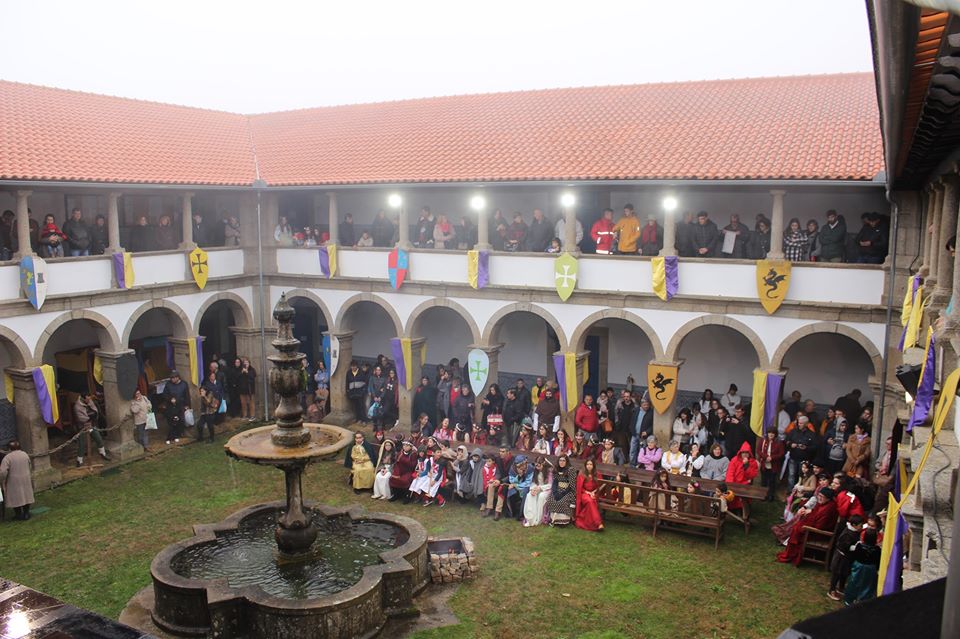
x: 478, y: 268
x: 913, y: 315
x: 123, y: 269
x: 402, y: 350
x: 666, y: 279
x: 923, y: 400
x: 195, y: 354
x: 45, y: 382
x: 565, y: 367
x: 328, y: 260
x: 766, y: 401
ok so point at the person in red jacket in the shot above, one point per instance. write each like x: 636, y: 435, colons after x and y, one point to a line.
x: 822, y: 517
x: 602, y: 233
x: 403, y: 471
x: 770, y: 453
x: 742, y: 470
x: 586, y: 418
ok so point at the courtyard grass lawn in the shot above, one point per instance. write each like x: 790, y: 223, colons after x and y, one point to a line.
x: 94, y: 546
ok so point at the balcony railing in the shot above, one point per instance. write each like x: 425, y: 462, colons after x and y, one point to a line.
x: 854, y: 284
x: 80, y: 275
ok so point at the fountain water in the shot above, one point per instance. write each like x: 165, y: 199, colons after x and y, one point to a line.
x: 225, y: 583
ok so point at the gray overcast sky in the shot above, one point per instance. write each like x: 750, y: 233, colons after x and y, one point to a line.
x: 251, y: 57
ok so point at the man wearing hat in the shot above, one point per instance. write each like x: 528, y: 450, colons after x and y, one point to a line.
x: 177, y: 396
x: 651, y: 237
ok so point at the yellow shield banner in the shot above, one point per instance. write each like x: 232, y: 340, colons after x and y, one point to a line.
x: 773, y: 282
x: 662, y: 380
x: 565, y: 275
x: 199, y: 266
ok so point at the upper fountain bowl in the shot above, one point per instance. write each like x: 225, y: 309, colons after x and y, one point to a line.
x: 257, y: 445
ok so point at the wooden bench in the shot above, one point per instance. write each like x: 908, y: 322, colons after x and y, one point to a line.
x: 668, y: 509
x: 633, y: 476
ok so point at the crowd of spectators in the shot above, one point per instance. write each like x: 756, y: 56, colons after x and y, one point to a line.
x: 827, y: 240
x: 78, y: 236
x: 817, y: 462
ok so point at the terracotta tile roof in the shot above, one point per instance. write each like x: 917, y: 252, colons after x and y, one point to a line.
x: 809, y: 127
x: 53, y: 134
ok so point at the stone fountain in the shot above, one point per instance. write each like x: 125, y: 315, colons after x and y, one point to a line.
x: 323, y: 572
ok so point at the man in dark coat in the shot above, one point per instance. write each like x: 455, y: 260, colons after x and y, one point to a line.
x: 462, y: 410
x: 539, y: 234
x: 625, y: 417
x: 425, y: 401
x: 684, y: 236
x: 872, y: 240
x: 78, y: 234
x: 833, y: 238
x: 513, y: 414
x: 706, y: 237
x: 523, y: 395
x: 737, y: 432
x: 348, y: 236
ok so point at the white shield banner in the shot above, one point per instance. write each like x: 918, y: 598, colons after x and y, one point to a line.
x: 478, y: 366
x: 334, y: 354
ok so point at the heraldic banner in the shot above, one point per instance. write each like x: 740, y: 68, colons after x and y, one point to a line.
x: 199, y: 267
x: 565, y: 275
x: 773, y: 282
x: 662, y: 381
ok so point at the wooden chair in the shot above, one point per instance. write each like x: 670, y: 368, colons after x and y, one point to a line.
x: 815, y: 546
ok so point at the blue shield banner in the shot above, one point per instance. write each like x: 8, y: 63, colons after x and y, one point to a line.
x: 33, y: 279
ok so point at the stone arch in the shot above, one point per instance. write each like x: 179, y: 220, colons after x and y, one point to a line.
x: 491, y: 331
x: 15, y: 347
x: 181, y: 326
x: 242, y: 314
x: 419, y: 311
x: 673, y: 348
x: 106, y: 332
x: 342, y: 324
x: 313, y: 297
x: 829, y: 327
x: 580, y: 333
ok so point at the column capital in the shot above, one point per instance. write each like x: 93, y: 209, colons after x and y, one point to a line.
x: 489, y: 349
x: 331, y: 194
x: 418, y: 341
x: 778, y: 192
x: 950, y: 179
x: 20, y: 374
x: 666, y: 362
x: 113, y: 355
x: 24, y: 193
x: 114, y: 194
x: 246, y: 330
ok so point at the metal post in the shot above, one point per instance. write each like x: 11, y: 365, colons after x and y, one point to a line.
x: 263, y: 333
x: 877, y: 436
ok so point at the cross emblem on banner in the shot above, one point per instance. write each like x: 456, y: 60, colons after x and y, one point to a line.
x: 566, y: 278
x: 199, y: 263
x: 478, y: 372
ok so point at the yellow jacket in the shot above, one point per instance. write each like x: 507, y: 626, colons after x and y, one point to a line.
x: 629, y: 229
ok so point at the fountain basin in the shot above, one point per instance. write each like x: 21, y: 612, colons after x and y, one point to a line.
x: 213, y: 607
x: 256, y: 445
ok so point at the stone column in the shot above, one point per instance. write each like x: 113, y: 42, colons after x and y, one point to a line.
x: 119, y: 442
x: 776, y: 226
x: 663, y: 424
x: 570, y: 231
x: 248, y: 345
x: 483, y: 230
x: 334, y: 220
x: 934, y: 250
x: 948, y: 229
x: 113, y: 224
x: 31, y: 429
x: 181, y: 361
x: 669, y: 234
x: 493, y: 372
x: 23, y: 223
x: 341, y: 413
x: 403, y: 228
x: 930, y: 197
x: 417, y: 347
x: 187, y: 222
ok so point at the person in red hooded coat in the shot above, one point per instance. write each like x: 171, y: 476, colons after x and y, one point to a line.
x: 742, y: 470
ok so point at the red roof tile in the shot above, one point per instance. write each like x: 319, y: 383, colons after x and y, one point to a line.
x: 53, y: 134
x: 809, y: 127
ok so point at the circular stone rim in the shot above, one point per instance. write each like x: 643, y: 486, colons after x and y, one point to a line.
x: 266, y: 451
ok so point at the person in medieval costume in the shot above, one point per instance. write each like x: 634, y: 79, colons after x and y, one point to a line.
x: 360, y: 458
